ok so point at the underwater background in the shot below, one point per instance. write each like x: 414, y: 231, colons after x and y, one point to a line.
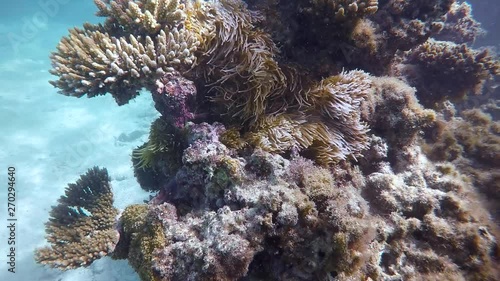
x: 50, y: 138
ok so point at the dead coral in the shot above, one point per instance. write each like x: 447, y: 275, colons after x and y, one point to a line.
x: 210, y: 247
x: 399, y: 26
x: 253, y: 207
x: 81, y: 227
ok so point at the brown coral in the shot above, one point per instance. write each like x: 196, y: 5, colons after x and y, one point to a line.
x: 445, y: 70
x: 460, y: 26
x: 345, y: 9
x: 81, y: 227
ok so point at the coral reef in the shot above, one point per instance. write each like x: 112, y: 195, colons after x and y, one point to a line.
x: 227, y: 216
x: 81, y: 227
x: 298, y: 140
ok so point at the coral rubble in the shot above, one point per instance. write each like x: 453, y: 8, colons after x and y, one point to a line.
x: 297, y: 140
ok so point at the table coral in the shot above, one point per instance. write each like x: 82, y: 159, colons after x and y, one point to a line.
x: 81, y: 227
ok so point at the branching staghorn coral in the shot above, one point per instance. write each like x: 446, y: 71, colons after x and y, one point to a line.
x: 92, y: 62
x: 81, y: 227
x: 141, y: 42
x: 141, y: 16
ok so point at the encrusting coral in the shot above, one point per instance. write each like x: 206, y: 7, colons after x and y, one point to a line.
x: 81, y: 227
x: 278, y: 154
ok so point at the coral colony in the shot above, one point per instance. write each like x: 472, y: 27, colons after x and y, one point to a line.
x: 298, y: 140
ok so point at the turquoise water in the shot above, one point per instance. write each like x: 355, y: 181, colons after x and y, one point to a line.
x: 50, y: 139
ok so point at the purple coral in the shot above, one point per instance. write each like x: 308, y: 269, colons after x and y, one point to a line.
x: 175, y: 98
